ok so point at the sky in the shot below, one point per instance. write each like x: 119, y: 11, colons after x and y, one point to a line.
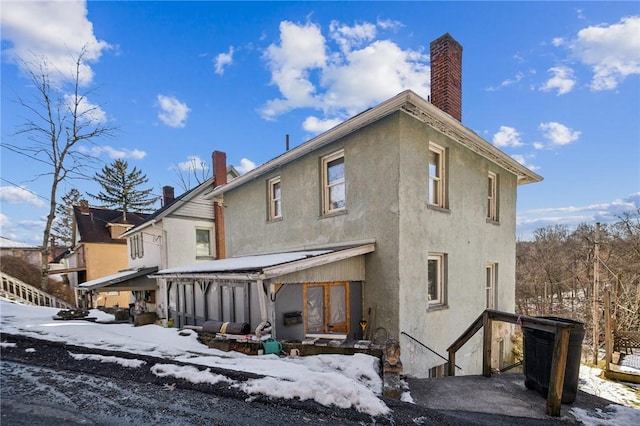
x: 555, y: 85
x: 345, y: 381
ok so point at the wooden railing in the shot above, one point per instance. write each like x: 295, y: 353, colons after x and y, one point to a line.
x: 560, y: 329
x: 14, y: 289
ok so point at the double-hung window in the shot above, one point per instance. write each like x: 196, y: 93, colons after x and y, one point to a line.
x: 275, y: 199
x: 436, y: 280
x: 203, y: 242
x: 333, y: 183
x: 492, y: 197
x: 437, y: 183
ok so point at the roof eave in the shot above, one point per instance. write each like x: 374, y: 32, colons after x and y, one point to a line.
x: 406, y: 101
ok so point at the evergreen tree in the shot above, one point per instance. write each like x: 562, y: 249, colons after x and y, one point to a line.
x: 62, y: 228
x: 120, y: 188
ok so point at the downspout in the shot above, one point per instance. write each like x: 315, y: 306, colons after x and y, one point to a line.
x: 164, y: 255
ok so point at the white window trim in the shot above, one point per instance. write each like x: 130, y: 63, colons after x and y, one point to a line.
x: 438, y: 198
x: 326, y: 187
x: 492, y: 197
x: 440, y: 298
x: 273, y: 201
x: 490, y: 286
x: 210, y: 254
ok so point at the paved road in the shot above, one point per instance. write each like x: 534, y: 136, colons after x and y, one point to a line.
x: 42, y: 384
x: 33, y: 395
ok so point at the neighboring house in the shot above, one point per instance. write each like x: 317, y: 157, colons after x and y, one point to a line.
x: 400, y: 216
x: 182, y: 232
x: 100, y: 250
x: 20, y: 250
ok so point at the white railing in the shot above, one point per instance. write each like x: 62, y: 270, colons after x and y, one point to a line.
x: 14, y: 289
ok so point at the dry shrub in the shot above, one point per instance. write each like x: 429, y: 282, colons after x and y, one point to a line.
x: 30, y: 274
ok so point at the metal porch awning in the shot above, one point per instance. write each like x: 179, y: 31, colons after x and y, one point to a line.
x: 129, y: 280
x: 264, y: 266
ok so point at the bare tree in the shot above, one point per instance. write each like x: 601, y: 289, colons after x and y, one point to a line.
x: 196, y: 170
x: 59, y: 117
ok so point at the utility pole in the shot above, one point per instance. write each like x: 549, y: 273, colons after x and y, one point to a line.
x: 596, y: 282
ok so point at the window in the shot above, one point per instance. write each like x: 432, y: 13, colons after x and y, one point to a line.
x: 136, y: 246
x: 203, y: 242
x: 490, y: 287
x: 333, y: 183
x: 436, y: 279
x: 492, y: 197
x: 326, y: 308
x: 436, y: 176
x: 275, y: 200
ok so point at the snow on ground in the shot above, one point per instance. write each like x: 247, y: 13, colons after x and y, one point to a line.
x: 340, y: 380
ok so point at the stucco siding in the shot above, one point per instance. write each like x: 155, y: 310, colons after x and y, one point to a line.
x: 386, y: 174
x: 371, y: 174
x: 463, y: 234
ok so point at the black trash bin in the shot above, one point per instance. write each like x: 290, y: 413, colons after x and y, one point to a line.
x: 538, y: 355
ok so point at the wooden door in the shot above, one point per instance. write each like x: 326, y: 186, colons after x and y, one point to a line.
x: 327, y: 308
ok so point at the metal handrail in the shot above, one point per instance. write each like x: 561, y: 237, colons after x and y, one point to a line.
x: 427, y: 347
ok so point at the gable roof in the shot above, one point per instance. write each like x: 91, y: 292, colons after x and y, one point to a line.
x: 408, y: 102
x: 171, y: 207
x: 93, y: 223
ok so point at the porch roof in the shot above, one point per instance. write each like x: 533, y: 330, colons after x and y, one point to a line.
x: 132, y: 279
x: 263, y: 266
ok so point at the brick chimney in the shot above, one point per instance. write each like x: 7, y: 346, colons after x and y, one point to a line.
x: 84, y: 207
x: 219, y: 178
x: 219, y: 168
x: 446, y: 75
x: 168, y: 195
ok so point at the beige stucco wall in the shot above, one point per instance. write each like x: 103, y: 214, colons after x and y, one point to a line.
x: 103, y: 260
x: 386, y: 192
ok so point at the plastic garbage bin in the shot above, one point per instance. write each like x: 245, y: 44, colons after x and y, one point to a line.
x: 538, y: 355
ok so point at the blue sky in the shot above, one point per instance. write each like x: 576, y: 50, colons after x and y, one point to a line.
x: 556, y: 85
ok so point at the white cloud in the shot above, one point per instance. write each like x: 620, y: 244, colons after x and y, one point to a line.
x: 245, y: 166
x: 5, y: 222
x: 612, y: 51
x: 341, y: 75
x: 572, y: 216
x: 19, y: 195
x: 557, y: 41
x: 55, y: 30
x: 86, y: 111
x: 172, y: 112
x: 301, y: 49
x: 562, y: 80
x: 112, y: 152
x: 559, y: 134
x: 348, y: 37
x: 508, y: 82
x: 315, y: 125
x: 193, y: 162
x: 222, y: 60
x: 507, y: 136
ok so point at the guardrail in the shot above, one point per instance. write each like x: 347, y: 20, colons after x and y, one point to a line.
x: 560, y: 349
x: 19, y: 291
